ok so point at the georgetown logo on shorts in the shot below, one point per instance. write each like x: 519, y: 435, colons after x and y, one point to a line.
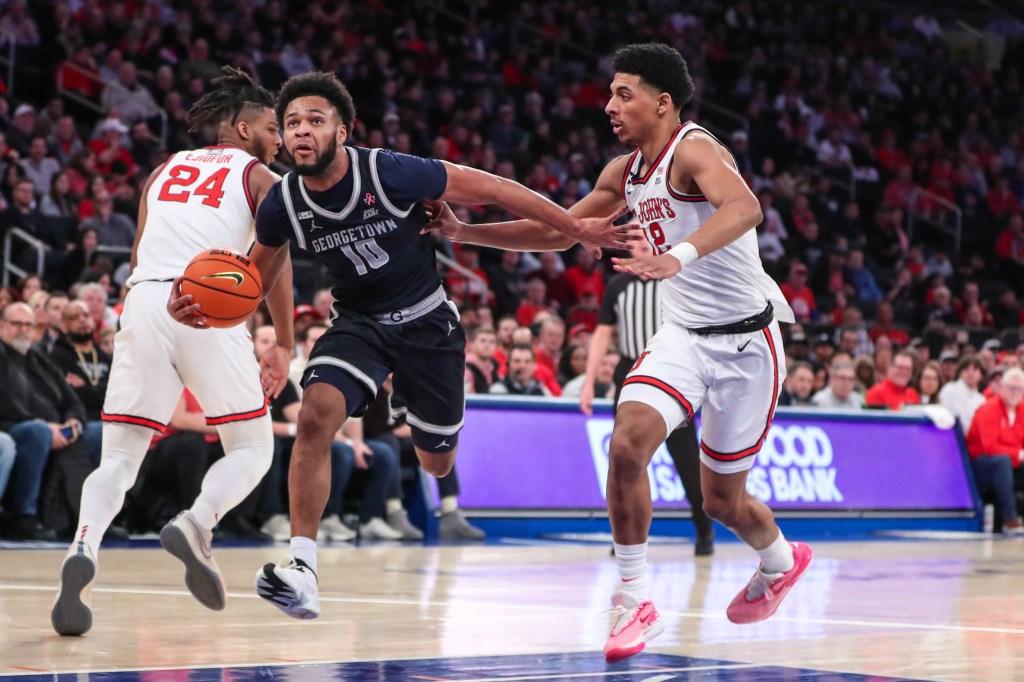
x: 397, y: 316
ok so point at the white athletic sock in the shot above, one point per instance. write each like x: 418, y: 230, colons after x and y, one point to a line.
x: 449, y: 504
x: 249, y: 449
x: 124, y: 447
x: 305, y: 549
x: 392, y: 505
x: 632, y: 560
x: 776, y: 557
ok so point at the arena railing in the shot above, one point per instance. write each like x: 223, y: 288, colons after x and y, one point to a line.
x: 953, y: 228
x: 95, y: 106
x: 16, y: 233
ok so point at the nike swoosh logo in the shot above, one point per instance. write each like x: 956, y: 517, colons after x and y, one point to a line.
x: 236, y: 276
x: 740, y: 348
x: 203, y: 547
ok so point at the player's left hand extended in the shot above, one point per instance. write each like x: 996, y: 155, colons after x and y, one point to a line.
x: 649, y: 267
x: 442, y: 220
x: 599, y: 233
x: 274, y: 370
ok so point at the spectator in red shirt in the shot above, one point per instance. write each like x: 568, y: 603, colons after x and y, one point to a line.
x: 995, y: 443
x: 549, y: 343
x: 462, y: 287
x: 895, y: 391
x: 799, y: 295
x: 552, y: 273
x: 110, y: 147
x: 535, y: 302
x: 888, y: 154
x: 897, y: 194
x: 1001, y: 199
x: 585, y: 275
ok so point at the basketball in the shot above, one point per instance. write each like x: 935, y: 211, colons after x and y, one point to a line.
x: 225, y: 284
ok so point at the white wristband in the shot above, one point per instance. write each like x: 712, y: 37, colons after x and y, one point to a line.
x: 685, y: 253
x: 292, y: 430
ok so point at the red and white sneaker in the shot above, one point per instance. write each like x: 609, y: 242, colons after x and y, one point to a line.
x: 763, y: 595
x: 633, y: 624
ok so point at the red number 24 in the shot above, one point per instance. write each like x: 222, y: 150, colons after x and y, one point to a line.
x: 186, y: 176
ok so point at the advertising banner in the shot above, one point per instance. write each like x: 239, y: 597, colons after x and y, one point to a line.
x: 521, y: 454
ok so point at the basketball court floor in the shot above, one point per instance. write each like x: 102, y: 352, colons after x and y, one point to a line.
x: 946, y: 608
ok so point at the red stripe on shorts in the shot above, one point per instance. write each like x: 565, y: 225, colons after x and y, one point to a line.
x: 238, y: 416
x: 658, y: 383
x: 754, y: 449
x: 132, y: 419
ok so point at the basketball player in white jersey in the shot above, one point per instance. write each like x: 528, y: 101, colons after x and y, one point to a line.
x: 197, y: 200
x: 719, y: 346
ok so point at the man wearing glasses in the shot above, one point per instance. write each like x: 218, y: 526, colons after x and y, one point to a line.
x: 839, y: 394
x: 40, y: 412
x: 895, y: 391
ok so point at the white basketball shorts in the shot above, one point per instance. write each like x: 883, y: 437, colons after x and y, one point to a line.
x: 155, y: 357
x: 735, y: 377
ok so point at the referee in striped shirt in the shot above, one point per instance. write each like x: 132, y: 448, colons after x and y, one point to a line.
x: 633, y: 307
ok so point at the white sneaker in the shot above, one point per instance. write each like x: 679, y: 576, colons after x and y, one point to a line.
x: 333, y: 530
x: 290, y: 586
x: 278, y: 527
x: 71, y: 615
x: 378, y: 529
x: 188, y: 541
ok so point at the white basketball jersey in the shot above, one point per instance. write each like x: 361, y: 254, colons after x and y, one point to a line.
x: 199, y: 200
x: 727, y: 285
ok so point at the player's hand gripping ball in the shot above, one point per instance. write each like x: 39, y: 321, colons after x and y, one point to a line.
x: 226, y: 285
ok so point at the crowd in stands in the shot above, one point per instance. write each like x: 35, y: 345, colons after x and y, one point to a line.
x: 866, y: 133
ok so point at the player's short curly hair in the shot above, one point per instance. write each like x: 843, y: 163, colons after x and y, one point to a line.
x: 318, y: 84
x: 659, y: 66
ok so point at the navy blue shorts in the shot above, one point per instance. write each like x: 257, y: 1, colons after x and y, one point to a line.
x: 427, y: 356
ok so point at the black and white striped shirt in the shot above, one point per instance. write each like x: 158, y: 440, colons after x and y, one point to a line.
x: 634, y: 307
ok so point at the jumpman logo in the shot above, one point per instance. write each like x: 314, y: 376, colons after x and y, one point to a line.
x: 444, y: 443
x: 451, y: 328
x: 314, y: 226
x: 313, y: 375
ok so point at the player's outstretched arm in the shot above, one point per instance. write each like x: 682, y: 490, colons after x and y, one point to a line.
x: 702, y: 159
x: 532, y: 235
x: 470, y: 186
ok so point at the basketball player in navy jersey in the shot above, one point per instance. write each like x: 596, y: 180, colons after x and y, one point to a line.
x: 719, y: 345
x: 361, y: 212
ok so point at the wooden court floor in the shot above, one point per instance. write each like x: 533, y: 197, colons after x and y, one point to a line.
x: 929, y: 610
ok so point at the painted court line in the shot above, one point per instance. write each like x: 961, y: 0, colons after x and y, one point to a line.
x: 869, y: 624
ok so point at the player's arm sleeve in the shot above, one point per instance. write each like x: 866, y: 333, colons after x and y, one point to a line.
x: 407, y: 180
x: 273, y: 227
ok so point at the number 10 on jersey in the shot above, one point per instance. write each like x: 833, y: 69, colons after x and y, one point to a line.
x: 366, y: 255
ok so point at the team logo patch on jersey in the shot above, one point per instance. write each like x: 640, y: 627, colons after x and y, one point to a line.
x: 305, y: 215
x: 369, y: 213
x: 236, y: 276
x: 369, y: 199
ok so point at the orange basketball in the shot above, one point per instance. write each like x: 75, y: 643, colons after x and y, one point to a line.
x: 225, y: 283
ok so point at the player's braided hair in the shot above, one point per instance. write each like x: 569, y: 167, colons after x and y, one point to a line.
x: 231, y: 93
x: 660, y: 66
x: 318, y: 84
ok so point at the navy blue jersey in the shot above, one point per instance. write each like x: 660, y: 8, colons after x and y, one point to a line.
x: 365, y: 229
